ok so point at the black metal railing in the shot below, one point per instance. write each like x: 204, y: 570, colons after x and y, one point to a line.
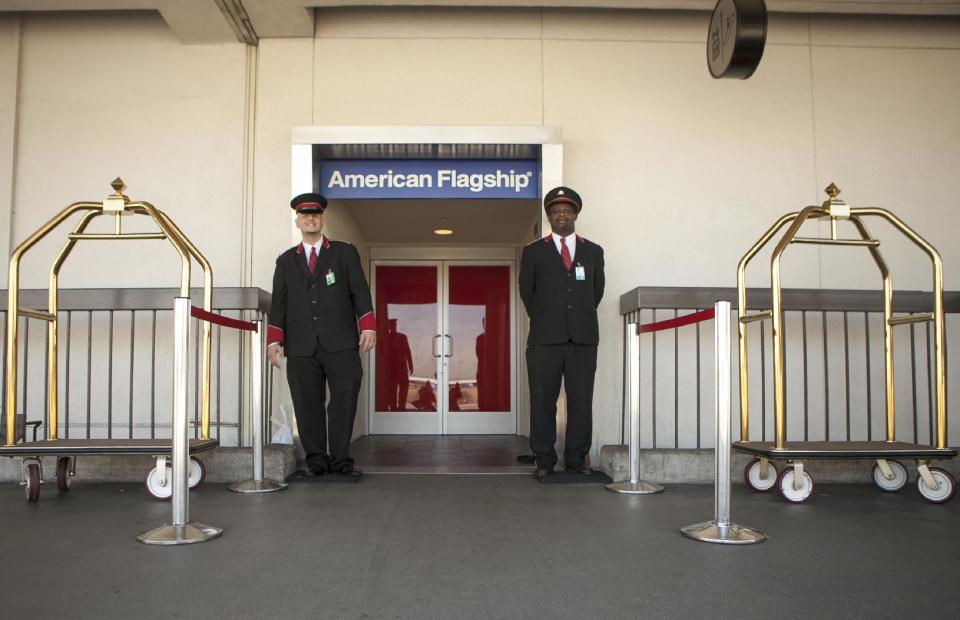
x: 833, y: 350
x: 115, y: 366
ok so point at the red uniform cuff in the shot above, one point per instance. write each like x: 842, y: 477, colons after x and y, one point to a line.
x: 367, y: 322
x: 274, y: 335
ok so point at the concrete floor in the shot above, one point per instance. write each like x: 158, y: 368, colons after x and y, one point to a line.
x: 441, y: 454
x: 472, y: 546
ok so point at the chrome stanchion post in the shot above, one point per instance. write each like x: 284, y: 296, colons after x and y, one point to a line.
x: 180, y: 531
x: 258, y: 484
x: 634, y: 486
x: 721, y: 530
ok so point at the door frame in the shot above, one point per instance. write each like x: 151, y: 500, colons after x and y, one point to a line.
x: 484, y: 423
x: 441, y: 257
x: 550, y: 139
x: 406, y: 422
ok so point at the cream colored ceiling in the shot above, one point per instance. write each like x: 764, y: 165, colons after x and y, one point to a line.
x: 389, y: 222
x: 220, y: 21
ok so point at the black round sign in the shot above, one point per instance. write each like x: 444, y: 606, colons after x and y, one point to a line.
x: 735, y: 40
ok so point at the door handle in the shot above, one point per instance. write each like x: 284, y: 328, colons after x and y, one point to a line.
x: 451, y: 346
x: 435, y: 354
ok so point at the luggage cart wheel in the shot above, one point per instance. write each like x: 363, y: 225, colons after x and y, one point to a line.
x: 64, y: 477
x: 945, y: 490
x: 895, y: 481
x: 32, y: 488
x: 156, y: 488
x: 753, y: 476
x: 198, y: 472
x: 790, y: 491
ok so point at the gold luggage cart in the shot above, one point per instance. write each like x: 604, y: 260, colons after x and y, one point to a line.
x: 935, y: 484
x: 159, y: 478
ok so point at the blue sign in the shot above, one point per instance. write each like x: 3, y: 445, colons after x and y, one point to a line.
x: 359, y: 179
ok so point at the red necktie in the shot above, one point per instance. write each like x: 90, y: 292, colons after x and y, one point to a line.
x: 565, y: 254
x: 313, y: 260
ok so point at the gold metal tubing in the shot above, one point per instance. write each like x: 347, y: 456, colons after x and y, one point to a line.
x: 207, y: 330
x: 759, y: 316
x: 53, y: 409
x: 815, y: 240
x: 207, y: 333
x: 13, y: 299
x: 741, y: 326
x: 776, y: 331
x: 917, y: 317
x: 938, y: 326
x: 172, y: 237
x: 123, y: 236
x: 36, y: 314
x: 890, y: 403
x: 185, y: 247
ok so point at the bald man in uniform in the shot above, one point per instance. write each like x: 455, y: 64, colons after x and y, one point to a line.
x: 321, y: 319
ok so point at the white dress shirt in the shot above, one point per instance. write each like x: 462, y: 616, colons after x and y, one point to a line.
x: 570, y: 240
x: 307, y: 249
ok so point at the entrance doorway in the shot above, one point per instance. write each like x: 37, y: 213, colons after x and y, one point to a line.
x: 446, y: 360
x: 389, y: 200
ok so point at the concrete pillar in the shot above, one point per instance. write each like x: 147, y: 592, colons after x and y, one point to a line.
x: 10, y: 38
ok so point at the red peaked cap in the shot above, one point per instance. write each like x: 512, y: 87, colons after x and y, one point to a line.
x: 563, y: 194
x: 309, y: 203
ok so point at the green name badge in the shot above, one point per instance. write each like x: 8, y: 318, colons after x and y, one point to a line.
x: 580, y: 273
x: 331, y: 279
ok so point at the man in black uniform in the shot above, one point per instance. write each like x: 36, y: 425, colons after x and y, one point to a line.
x: 321, y: 314
x: 561, y: 285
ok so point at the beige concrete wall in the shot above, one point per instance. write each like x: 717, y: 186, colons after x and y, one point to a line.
x: 106, y: 95
x: 89, y: 97
x: 10, y: 28
x: 680, y: 173
x: 284, y: 100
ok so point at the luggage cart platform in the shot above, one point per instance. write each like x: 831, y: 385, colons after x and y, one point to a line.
x: 843, y: 450
x: 76, y: 447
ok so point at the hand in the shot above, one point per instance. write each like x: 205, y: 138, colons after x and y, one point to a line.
x: 368, y: 340
x: 275, y: 354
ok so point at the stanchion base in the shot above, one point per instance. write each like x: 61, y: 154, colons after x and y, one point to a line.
x: 253, y: 486
x: 635, y: 488
x: 729, y: 534
x: 192, y: 532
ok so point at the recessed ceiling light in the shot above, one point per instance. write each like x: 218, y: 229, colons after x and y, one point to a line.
x: 443, y: 232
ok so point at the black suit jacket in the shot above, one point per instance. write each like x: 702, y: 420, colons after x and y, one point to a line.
x: 561, y: 308
x: 309, y: 310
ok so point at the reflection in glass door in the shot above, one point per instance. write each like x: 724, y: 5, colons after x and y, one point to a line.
x: 444, y: 368
x: 477, y: 320
x: 407, y: 356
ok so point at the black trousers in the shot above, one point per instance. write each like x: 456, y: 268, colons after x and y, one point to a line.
x: 547, y: 364
x: 324, y: 430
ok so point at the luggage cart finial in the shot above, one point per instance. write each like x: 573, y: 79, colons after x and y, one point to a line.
x: 832, y: 190
x: 835, y: 208
x: 117, y: 201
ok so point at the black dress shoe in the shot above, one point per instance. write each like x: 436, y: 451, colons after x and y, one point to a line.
x: 582, y: 468
x: 543, y: 471
x: 350, y: 471
x: 318, y: 466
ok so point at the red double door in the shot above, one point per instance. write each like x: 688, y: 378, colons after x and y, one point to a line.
x: 446, y: 355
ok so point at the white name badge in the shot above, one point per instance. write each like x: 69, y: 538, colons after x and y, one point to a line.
x: 331, y: 279
x: 580, y: 273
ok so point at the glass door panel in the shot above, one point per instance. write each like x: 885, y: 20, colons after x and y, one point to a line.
x: 407, y: 355
x: 478, y: 348
x: 445, y: 357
